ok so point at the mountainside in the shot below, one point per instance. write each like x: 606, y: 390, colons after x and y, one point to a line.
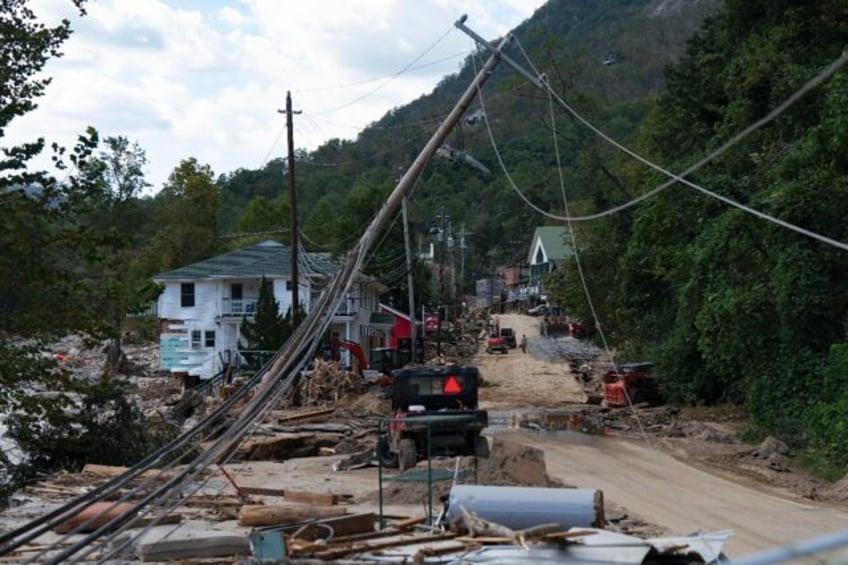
x: 570, y: 40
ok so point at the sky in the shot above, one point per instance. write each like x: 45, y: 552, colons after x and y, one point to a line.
x: 206, y: 78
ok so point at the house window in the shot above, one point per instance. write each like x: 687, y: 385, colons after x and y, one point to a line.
x: 236, y: 291
x: 195, y: 339
x: 289, y: 286
x: 187, y: 295
x: 209, y: 338
x: 540, y: 256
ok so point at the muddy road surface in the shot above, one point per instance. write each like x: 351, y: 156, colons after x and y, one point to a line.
x: 647, y: 478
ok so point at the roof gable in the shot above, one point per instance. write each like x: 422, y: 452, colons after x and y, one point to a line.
x: 551, y: 239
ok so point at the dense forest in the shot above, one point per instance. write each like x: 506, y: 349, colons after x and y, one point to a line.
x: 731, y: 307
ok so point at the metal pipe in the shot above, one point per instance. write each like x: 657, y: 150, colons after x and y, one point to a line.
x: 523, y: 507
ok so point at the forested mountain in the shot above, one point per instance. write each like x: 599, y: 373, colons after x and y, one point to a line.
x: 345, y: 181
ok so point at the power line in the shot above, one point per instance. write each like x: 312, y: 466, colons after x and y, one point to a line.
x: 370, y: 80
x: 541, y: 82
x: 389, y: 79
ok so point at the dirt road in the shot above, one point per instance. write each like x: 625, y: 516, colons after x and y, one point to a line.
x: 649, y: 483
x: 525, y: 379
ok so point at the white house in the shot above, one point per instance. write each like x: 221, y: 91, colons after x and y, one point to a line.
x: 203, y: 304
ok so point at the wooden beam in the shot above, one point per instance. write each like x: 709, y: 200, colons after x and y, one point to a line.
x: 261, y: 515
x: 203, y: 547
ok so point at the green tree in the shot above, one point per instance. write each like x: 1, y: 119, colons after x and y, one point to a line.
x: 735, y: 308
x: 187, y: 216
x: 269, y: 329
x: 112, y: 233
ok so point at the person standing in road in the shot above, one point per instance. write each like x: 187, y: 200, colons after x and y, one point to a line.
x: 523, y: 343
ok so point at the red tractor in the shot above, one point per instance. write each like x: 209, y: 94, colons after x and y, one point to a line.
x: 633, y: 381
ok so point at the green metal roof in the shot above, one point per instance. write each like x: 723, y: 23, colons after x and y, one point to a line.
x: 269, y: 258
x: 553, y: 240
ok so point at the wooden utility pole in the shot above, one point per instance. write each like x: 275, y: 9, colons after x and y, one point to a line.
x: 293, y: 205
x: 412, y: 330
x: 442, y: 244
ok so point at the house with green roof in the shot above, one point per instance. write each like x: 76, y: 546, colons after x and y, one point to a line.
x: 548, y: 250
x: 202, y: 306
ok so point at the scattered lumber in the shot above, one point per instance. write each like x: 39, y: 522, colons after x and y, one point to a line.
x: 409, y: 523
x: 202, y: 547
x: 158, y: 520
x: 485, y: 531
x: 271, y: 515
x: 353, y: 524
x: 283, y: 446
x: 110, y: 472
x: 316, y: 498
x: 312, y: 414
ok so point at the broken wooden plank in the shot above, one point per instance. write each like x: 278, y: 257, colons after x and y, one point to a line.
x: 409, y: 523
x: 263, y: 491
x: 316, y: 498
x: 202, y: 547
x: 111, y: 471
x: 363, y: 547
x: 303, y: 497
x: 157, y: 521
x: 339, y: 527
x: 444, y: 550
x: 261, y: 515
x: 302, y: 547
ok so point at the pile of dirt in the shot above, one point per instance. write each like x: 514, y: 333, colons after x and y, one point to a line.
x: 838, y: 491
x: 509, y: 464
x: 514, y: 464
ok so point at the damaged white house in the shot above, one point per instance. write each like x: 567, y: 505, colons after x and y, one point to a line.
x: 203, y: 305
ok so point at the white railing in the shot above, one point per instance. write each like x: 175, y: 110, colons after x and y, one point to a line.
x: 238, y: 307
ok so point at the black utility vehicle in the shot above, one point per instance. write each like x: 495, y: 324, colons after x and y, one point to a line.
x: 443, y: 399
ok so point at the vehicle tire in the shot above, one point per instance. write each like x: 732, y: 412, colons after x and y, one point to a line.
x: 481, y: 447
x: 407, y: 454
x: 387, y: 457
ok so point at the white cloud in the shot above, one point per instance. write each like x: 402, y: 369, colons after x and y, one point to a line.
x: 207, y: 82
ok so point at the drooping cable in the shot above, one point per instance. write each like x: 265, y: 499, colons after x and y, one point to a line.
x: 383, y: 84
x: 541, y: 82
x: 823, y: 75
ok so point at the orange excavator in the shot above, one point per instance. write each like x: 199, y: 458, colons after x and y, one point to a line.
x: 384, y: 360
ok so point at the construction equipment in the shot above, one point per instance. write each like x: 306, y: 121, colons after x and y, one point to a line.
x: 434, y: 413
x: 496, y: 343
x: 357, y: 352
x: 633, y: 381
x: 508, y: 335
x: 383, y: 361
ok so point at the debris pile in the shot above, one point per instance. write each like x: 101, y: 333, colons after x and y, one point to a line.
x: 326, y: 383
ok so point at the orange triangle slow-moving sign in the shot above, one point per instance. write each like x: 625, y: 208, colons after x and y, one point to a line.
x: 452, y: 385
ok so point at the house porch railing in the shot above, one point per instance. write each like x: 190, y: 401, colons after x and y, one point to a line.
x: 238, y: 307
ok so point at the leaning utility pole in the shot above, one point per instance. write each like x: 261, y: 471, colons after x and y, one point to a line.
x: 293, y: 206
